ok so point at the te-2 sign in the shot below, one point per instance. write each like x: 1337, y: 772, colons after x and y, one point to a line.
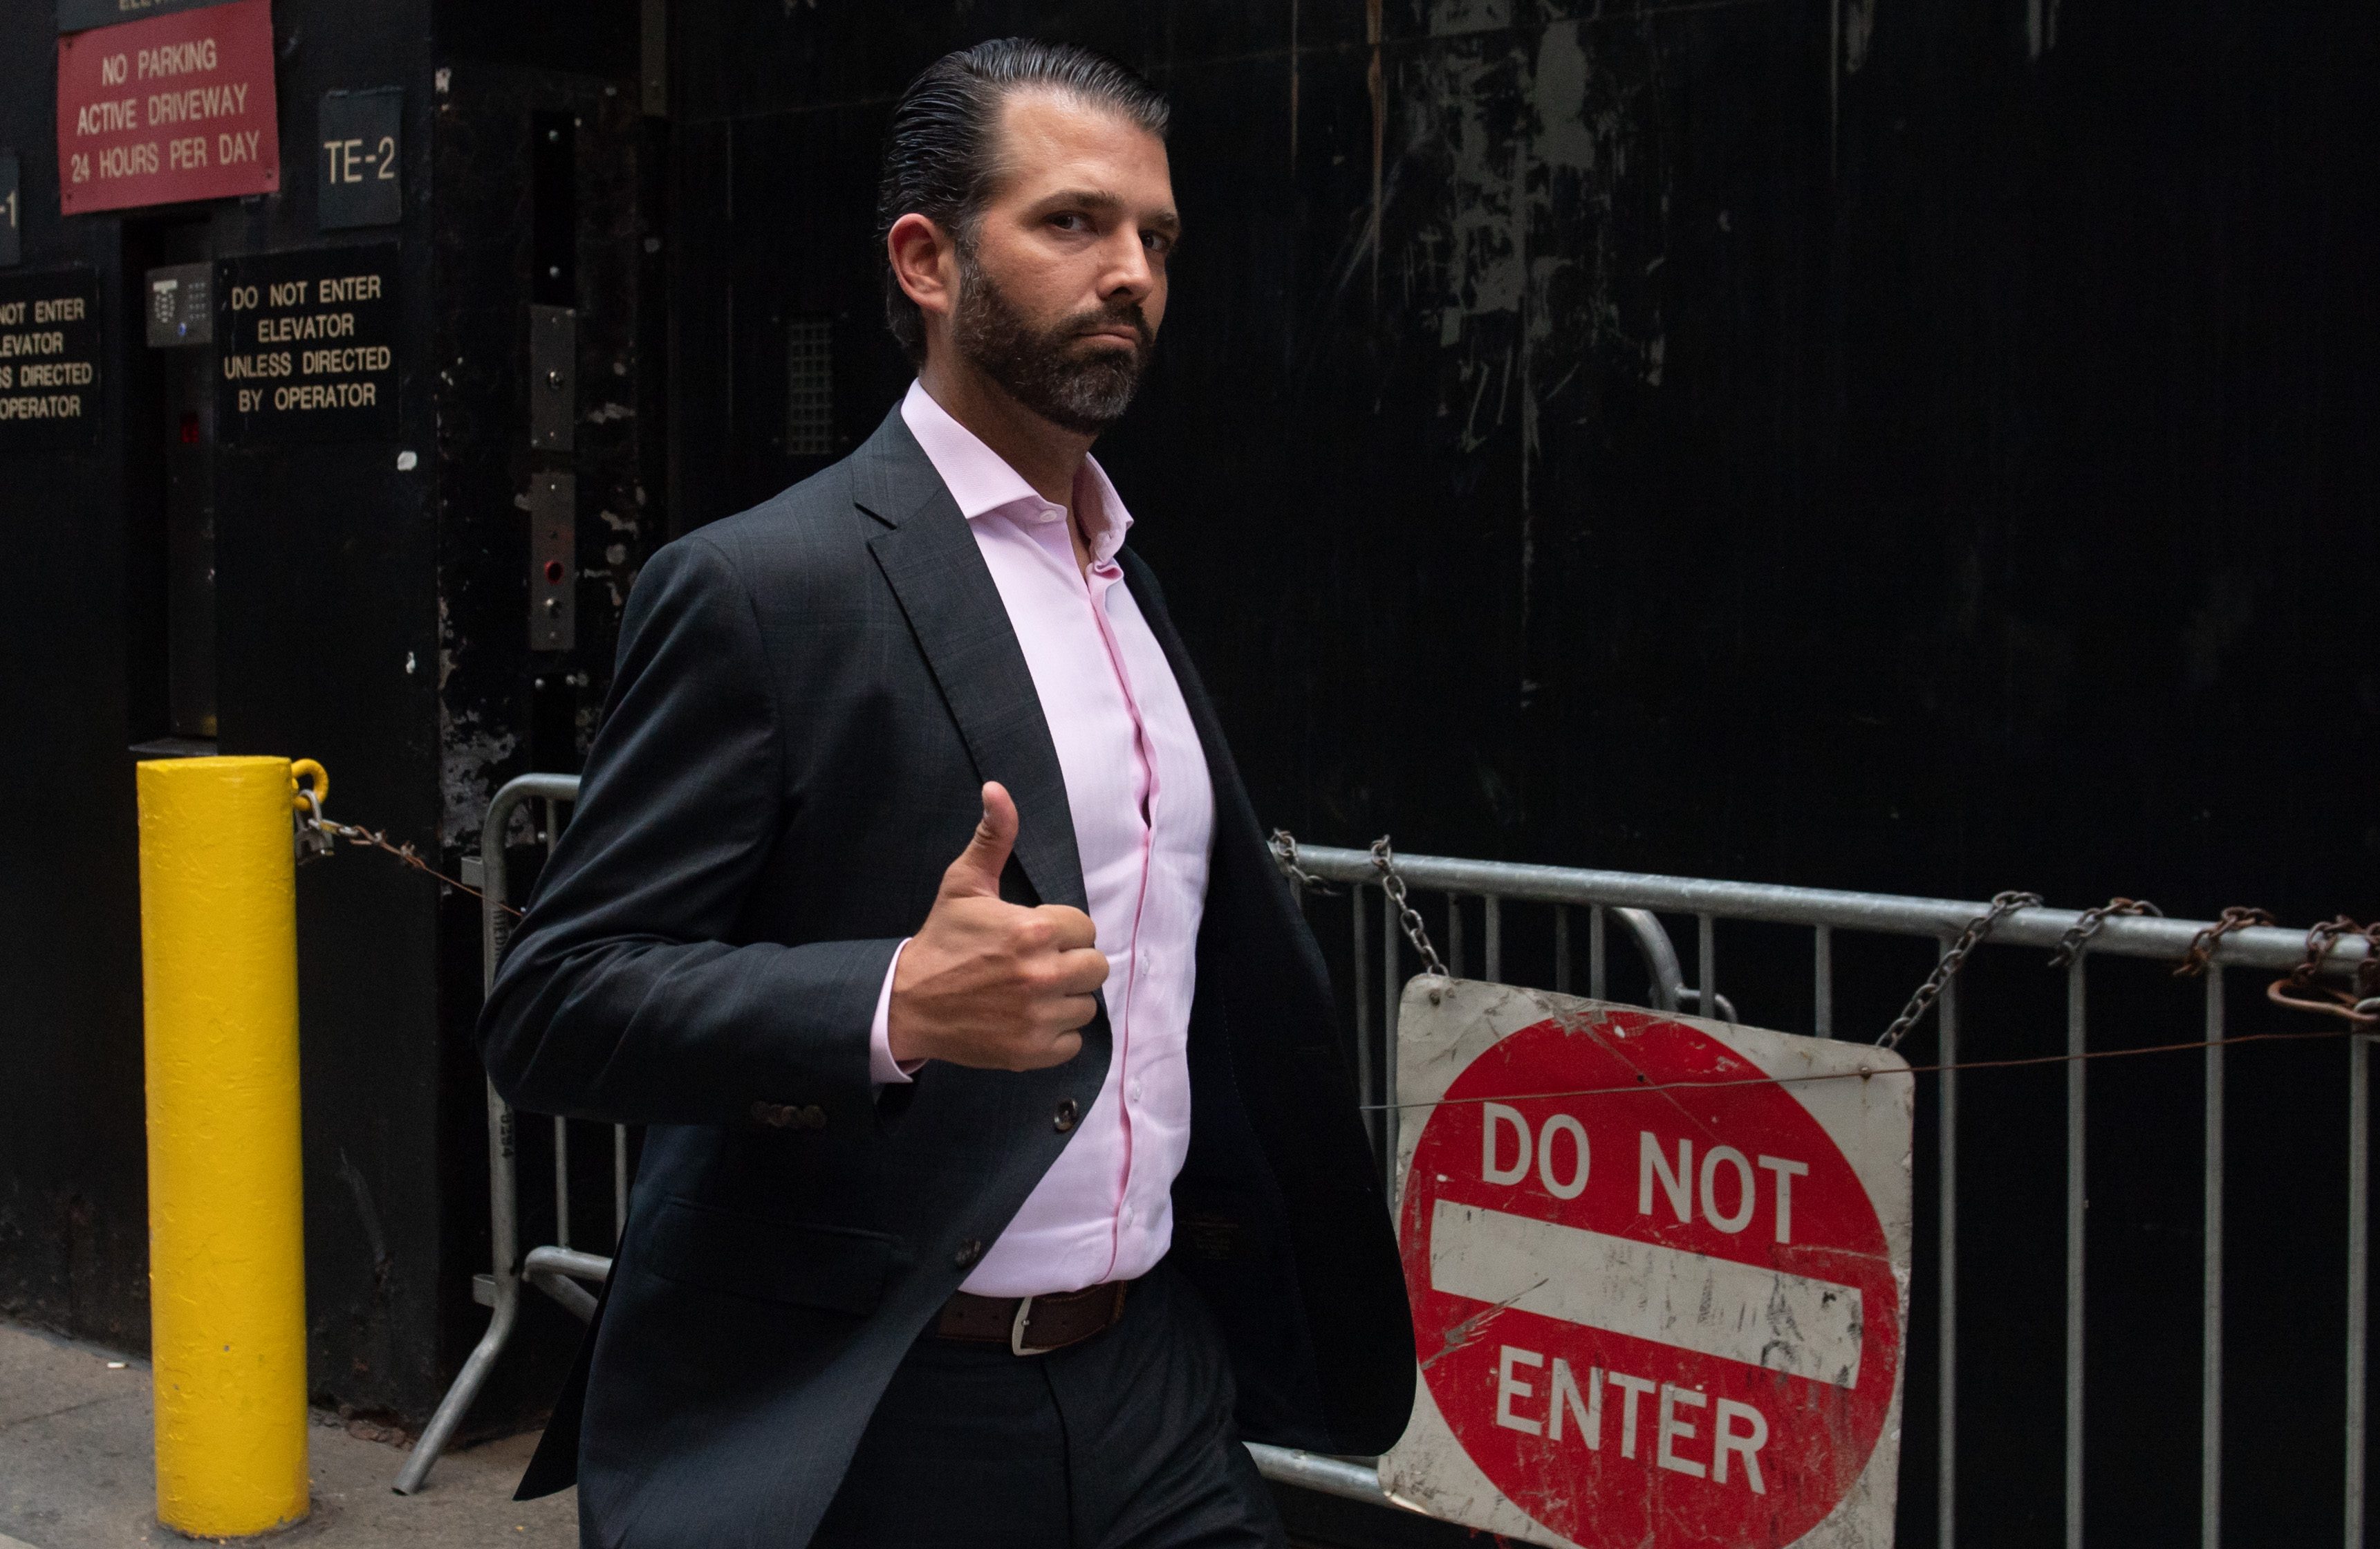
x: 359, y: 159
x: 1657, y: 1294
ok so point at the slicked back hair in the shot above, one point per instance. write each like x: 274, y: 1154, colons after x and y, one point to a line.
x: 941, y: 159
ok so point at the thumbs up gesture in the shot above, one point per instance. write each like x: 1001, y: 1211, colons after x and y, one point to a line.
x: 990, y: 983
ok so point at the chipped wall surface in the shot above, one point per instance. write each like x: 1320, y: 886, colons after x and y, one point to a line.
x: 1522, y: 143
x: 506, y: 709
x: 1523, y: 233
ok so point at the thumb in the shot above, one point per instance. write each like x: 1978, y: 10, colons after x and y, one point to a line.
x: 976, y: 874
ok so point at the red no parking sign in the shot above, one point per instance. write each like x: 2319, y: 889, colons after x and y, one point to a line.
x: 1665, y: 1308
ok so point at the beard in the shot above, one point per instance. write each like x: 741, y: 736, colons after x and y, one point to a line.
x: 1049, y: 369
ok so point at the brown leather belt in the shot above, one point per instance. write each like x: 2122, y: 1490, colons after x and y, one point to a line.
x: 1033, y: 1324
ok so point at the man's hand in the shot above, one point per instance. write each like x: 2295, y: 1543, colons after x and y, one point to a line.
x: 988, y: 983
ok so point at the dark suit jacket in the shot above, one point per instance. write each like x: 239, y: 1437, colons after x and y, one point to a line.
x: 809, y: 697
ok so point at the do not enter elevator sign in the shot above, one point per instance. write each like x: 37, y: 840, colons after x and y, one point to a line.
x: 1659, y: 1295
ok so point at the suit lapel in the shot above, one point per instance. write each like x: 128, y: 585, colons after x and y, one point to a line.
x: 930, y: 560
x: 1231, y: 798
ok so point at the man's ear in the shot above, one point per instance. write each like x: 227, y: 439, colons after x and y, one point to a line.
x: 924, y: 260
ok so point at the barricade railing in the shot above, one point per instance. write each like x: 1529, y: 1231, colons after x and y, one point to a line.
x: 555, y: 1268
x: 1631, y: 897
x: 1634, y: 900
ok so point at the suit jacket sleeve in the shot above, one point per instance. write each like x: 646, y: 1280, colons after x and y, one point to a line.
x: 627, y: 996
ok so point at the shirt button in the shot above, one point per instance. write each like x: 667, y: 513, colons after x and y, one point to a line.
x: 1127, y: 1215
x: 1136, y: 1089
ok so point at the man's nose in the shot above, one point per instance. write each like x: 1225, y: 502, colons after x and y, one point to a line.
x: 1127, y: 273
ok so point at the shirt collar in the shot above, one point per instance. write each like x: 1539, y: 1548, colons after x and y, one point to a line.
x: 981, y: 481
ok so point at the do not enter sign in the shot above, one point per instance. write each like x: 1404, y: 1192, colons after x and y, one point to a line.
x: 1659, y: 1294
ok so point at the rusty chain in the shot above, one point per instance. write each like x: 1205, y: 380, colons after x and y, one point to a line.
x: 378, y: 840
x: 2202, y: 944
x: 2003, y: 904
x: 1283, y: 844
x: 316, y: 832
x: 2069, y: 945
x: 1408, y: 917
x: 2299, y: 993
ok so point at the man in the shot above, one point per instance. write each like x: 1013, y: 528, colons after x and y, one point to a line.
x: 990, y: 1201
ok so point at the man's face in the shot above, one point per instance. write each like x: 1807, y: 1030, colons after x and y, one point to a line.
x: 1063, y: 288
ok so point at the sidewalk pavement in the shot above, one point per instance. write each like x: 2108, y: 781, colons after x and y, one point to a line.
x: 76, y: 1470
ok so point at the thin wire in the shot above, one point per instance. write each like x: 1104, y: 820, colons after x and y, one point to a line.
x: 1863, y: 1075
x: 368, y: 839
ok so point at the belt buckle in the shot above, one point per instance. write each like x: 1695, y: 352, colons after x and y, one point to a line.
x: 1016, y: 1345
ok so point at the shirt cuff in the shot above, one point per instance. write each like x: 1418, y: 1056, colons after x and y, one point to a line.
x: 882, y: 1069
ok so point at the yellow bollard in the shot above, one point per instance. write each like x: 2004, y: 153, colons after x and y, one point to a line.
x: 227, y: 1255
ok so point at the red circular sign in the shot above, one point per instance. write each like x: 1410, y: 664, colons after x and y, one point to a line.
x: 1653, y: 1318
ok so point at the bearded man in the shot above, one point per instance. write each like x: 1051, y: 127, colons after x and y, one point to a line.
x: 989, y: 1200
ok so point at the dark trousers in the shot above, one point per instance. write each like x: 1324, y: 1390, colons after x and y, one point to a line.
x: 1124, y: 1441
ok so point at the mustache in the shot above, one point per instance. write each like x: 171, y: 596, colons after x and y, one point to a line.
x: 1085, y: 324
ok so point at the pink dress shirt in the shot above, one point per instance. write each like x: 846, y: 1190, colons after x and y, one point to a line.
x: 1144, y: 818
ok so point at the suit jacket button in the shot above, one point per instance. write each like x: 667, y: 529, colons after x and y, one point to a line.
x: 1066, y: 1117
x: 810, y: 1117
x: 776, y: 1116
x: 969, y: 1252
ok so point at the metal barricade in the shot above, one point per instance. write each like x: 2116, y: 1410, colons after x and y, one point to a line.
x: 1631, y: 898
x: 1631, y: 895
x: 555, y: 1268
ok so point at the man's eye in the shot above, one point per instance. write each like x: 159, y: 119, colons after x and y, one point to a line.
x: 1070, y: 223
x: 1157, y: 241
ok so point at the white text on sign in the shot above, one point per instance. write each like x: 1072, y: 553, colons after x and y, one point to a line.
x: 1564, y: 1182
x: 1738, y: 1431
x: 1726, y: 1173
x: 1678, y: 1185
x: 140, y: 160
x: 348, y: 163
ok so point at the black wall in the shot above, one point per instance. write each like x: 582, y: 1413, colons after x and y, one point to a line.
x: 73, y: 1189
x: 371, y: 612
x: 1920, y: 449
x: 323, y: 585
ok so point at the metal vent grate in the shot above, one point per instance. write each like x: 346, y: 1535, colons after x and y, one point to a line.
x: 809, y: 387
